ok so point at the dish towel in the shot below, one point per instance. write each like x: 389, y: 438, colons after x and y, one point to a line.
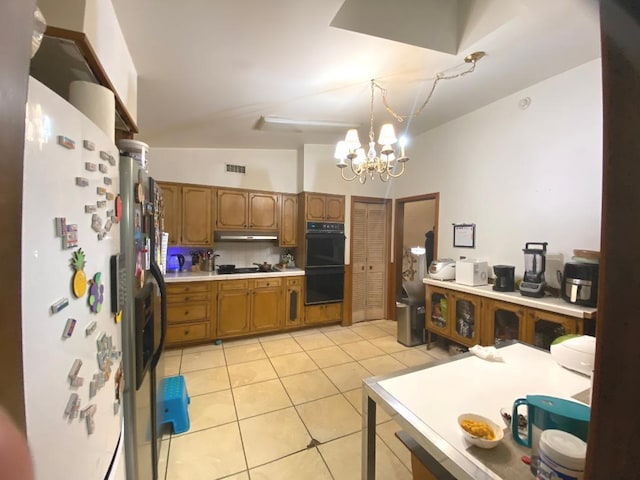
x: 487, y: 353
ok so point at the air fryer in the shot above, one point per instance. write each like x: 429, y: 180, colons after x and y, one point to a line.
x: 580, y: 284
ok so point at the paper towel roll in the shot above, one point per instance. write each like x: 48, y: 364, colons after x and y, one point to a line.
x: 96, y: 102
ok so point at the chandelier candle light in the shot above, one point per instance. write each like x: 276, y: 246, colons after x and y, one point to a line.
x: 350, y: 154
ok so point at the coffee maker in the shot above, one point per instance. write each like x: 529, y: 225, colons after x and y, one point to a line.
x: 533, y: 283
x: 504, y: 278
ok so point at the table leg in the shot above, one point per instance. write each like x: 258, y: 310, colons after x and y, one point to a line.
x: 368, y: 437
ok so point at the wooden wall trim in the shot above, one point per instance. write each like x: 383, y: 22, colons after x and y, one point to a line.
x: 398, y: 230
x: 347, y: 304
x: 614, y: 433
x: 15, y: 34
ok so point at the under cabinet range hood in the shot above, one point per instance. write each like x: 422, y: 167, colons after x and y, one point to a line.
x: 223, y: 236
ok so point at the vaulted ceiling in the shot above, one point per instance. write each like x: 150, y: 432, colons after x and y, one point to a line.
x: 210, y: 69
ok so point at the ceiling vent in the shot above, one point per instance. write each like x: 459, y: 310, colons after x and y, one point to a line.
x: 235, y: 168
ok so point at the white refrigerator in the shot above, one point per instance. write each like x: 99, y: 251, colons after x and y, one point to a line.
x: 72, y: 340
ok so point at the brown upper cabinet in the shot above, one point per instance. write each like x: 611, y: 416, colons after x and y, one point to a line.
x: 246, y: 210
x: 324, y: 207
x: 188, y: 214
x: 288, y: 221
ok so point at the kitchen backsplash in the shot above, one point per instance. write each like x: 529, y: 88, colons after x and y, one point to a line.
x: 240, y: 254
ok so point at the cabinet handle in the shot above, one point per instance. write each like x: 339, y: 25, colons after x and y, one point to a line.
x: 186, y: 312
x: 370, y: 267
x: 186, y: 332
x: 363, y: 267
x: 186, y: 299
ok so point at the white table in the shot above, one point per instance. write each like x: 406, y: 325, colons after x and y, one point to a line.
x: 426, y: 401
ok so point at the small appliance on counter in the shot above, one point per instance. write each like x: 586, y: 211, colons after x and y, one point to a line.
x: 471, y: 272
x: 443, y: 269
x: 504, y: 278
x: 580, y: 283
x: 533, y: 282
x: 575, y: 352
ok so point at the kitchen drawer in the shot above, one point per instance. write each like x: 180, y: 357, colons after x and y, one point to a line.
x: 267, y: 282
x: 295, y: 280
x: 187, y: 333
x: 233, y: 285
x: 187, y: 287
x: 191, y: 312
x: 188, y: 298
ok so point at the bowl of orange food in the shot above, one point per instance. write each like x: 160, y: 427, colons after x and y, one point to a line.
x: 479, y: 430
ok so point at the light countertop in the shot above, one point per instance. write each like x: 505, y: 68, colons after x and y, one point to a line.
x: 212, y: 276
x: 551, y: 304
x: 429, y: 400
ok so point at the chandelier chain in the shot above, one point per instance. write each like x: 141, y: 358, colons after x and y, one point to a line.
x: 439, y: 76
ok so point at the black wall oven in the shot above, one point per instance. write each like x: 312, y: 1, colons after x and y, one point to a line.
x: 324, y: 267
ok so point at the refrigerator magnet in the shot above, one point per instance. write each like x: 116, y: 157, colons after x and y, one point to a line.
x: 68, y: 328
x: 82, y: 182
x: 96, y: 222
x: 96, y: 293
x: 79, y: 279
x: 91, y: 425
x: 139, y: 193
x: 118, y: 317
x: 93, y: 388
x: 110, y: 196
x: 101, y: 204
x: 101, y: 190
x: 107, y: 157
x: 90, y: 328
x: 118, y: 208
x: 66, y: 142
x: 74, y: 400
x: 75, y: 369
x: 90, y: 209
x: 61, y: 226
x: 103, y: 168
x: 89, y: 145
x: 90, y: 166
x: 70, y: 239
x: 59, y: 305
x: 108, y: 181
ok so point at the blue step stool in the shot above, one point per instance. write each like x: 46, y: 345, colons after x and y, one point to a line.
x: 174, y: 403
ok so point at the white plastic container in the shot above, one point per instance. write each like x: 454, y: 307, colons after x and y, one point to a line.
x: 562, y: 456
x: 471, y: 272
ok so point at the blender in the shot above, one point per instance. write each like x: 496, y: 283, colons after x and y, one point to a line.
x: 534, y: 263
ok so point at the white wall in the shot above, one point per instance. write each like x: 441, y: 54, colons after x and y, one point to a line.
x: 274, y: 170
x: 521, y: 176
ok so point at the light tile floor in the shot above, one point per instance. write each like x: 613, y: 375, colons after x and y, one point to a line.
x: 288, y: 406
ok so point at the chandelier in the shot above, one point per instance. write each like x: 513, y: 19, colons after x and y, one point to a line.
x: 389, y: 163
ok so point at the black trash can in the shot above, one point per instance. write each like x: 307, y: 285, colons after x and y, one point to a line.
x: 410, y: 315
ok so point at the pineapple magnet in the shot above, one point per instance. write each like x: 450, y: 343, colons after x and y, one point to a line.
x: 79, y: 280
x: 96, y: 293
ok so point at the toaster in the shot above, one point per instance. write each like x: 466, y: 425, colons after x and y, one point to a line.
x: 443, y: 269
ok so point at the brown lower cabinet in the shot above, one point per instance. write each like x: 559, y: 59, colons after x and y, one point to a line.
x: 473, y: 319
x: 324, y: 313
x: 190, y: 312
x: 250, y: 306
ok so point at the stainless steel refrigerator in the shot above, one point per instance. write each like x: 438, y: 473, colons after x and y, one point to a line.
x: 142, y: 291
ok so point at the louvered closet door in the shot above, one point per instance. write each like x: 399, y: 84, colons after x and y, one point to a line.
x: 368, y: 259
x: 376, y: 267
x: 359, y: 262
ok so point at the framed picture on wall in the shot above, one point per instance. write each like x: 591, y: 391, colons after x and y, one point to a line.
x: 464, y: 235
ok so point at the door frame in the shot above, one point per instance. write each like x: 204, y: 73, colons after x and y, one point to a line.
x: 395, y: 278
x: 347, y: 311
